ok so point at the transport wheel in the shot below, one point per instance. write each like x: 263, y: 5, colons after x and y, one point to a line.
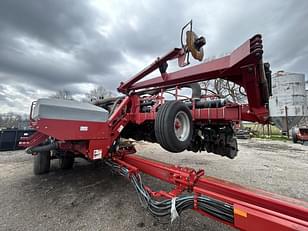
x: 66, y: 162
x: 173, y: 126
x: 232, y: 148
x: 294, y: 135
x: 41, y: 163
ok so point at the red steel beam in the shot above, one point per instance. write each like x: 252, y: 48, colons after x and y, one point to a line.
x: 253, y: 209
x: 244, y: 66
x: 217, y: 68
x: 175, y: 53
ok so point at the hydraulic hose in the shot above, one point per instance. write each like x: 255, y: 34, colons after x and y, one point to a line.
x: 162, y: 208
x: 43, y: 148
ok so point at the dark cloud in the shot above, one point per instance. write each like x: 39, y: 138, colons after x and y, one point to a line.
x: 155, y: 28
x: 50, y: 45
x: 59, y: 23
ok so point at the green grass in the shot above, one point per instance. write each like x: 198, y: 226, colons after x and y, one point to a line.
x: 273, y: 137
x: 259, y: 132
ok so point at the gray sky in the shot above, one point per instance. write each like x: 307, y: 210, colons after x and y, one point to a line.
x: 50, y: 45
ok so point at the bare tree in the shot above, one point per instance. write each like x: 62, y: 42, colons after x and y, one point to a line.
x: 235, y: 92
x: 225, y: 89
x: 12, y: 120
x: 98, y: 93
x: 63, y: 94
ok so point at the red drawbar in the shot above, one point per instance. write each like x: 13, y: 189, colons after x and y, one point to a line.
x: 253, y: 209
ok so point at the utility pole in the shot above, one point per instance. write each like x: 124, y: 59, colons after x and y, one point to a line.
x: 287, y: 123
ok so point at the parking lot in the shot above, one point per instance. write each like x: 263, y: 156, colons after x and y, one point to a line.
x: 90, y: 197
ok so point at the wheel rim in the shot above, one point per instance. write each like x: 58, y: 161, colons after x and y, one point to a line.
x: 181, y: 126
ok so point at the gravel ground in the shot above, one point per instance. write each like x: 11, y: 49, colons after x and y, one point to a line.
x: 89, y: 197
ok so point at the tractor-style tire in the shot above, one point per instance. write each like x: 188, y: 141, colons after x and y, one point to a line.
x: 41, y: 163
x: 66, y: 162
x: 173, y: 126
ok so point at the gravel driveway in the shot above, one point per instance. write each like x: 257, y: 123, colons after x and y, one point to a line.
x: 89, y: 197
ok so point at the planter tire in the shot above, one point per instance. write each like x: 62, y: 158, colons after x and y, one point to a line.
x: 41, y: 163
x: 173, y: 126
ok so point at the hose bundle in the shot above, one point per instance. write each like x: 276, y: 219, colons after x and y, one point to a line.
x: 163, y: 208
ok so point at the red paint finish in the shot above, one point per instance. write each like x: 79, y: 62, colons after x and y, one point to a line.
x: 175, y: 53
x: 253, y: 209
x: 33, y: 140
x: 243, y: 66
x: 73, y: 130
x: 302, y: 134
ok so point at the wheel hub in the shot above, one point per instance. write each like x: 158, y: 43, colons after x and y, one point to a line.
x: 181, y: 126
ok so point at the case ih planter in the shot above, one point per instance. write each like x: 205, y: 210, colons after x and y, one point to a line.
x: 68, y: 129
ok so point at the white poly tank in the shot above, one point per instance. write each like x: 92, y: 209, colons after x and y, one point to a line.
x: 288, y: 91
